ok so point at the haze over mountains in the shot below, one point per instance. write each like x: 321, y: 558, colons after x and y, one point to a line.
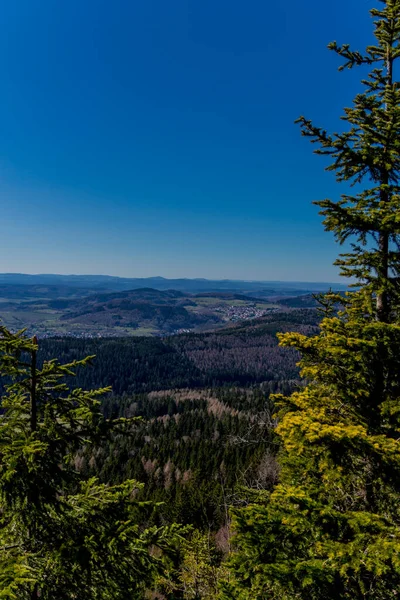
x: 110, y: 282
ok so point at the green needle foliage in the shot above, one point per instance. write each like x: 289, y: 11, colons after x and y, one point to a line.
x: 62, y: 536
x: 331, y: 527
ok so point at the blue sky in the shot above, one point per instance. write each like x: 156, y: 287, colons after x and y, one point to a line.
x: 157, y: 138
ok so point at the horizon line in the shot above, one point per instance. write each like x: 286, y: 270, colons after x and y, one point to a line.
x: 169, y: 278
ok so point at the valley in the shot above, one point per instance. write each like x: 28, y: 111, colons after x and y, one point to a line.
x: 73, y: 310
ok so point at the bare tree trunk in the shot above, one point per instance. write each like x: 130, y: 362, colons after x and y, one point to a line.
x: 33, y: 399
x: 382, y: 299
x: 35, y: 593
x: 33, y: 389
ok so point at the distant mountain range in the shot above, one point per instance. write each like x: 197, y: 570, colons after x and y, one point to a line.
x: 110, y: 283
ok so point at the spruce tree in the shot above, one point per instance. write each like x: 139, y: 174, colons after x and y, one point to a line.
x: 61, y: 536
x: 331, y: 527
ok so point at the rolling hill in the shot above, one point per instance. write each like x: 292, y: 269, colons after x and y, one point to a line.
x: 142, y: 311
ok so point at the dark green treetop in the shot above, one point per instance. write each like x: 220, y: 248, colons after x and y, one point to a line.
x: 62, y: 536
x: 368, y: 153
x: 331, y: 527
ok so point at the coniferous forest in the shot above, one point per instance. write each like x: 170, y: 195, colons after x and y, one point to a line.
x: 256, y: 462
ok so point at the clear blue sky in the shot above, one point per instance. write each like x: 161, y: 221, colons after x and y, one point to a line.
x: 157, y: 138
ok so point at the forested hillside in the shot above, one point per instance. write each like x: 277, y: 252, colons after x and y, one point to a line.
x: 242, y: 355
x: 190, y: 423
x: 205, y: 409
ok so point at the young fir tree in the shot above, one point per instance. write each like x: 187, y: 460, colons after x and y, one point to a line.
x: 199, y: 572
x: 331, y: 527
x: 63, y: 537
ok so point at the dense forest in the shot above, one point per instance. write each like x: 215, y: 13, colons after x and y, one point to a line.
x: 204, y: 403
x: 200, y: 430
x: 259, y: 462
x: 242, y: 355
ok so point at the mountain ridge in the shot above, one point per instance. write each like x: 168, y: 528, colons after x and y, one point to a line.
x: 115, y: 283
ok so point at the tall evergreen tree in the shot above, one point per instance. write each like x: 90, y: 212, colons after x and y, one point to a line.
x: 63, y: 537
x: 331, y: 527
